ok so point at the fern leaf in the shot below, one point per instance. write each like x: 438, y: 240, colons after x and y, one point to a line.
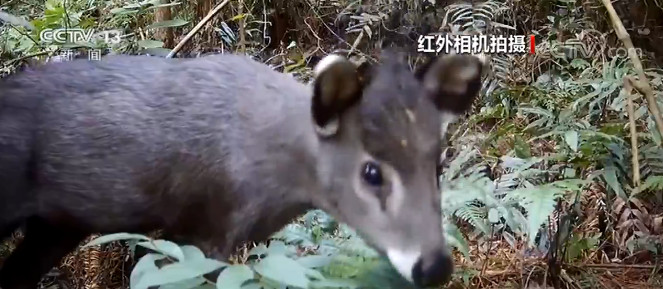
x: 539, y: 202
x: 475, y: 216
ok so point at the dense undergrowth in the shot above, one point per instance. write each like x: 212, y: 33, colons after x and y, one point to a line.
x: 541, y: 175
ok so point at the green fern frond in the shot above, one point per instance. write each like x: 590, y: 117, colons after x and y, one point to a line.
x: 653, y: 183
x: 455, y: 238
x: 539, y: 201
x: 651, y: 160
x: 475, y: 216
x: 454, y: 169
x: 461, y: 192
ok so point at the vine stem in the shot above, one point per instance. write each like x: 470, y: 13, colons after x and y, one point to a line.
x: 628, y: 89
x: 642, y: 84
x: 195, y: 29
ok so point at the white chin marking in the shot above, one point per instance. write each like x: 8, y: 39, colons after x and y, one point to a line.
x: 326, y: 62
x: 403, y: 261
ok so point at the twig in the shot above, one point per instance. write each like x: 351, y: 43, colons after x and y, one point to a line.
x: 193, y: 31
x: 8, y: 3
x: 642, y: 85
x: 319, y: 40
x: 628, y: 89
x: 495, y: 273
x: 357, y: 41
x: 315, y: 11
x: 24, y: 57
x: 620, y: 266
x: 568, y: 279
x: 242, y: 23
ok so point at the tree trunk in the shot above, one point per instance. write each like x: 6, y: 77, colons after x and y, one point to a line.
x: 164, y: 34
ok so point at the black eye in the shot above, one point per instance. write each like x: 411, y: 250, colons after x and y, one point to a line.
x: 372, y: 174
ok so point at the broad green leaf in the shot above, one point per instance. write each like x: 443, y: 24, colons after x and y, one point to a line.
x: 254, y: 286
x: 277, y: 247
x: 150, y: 43
x: 192, y: 253
x: 284, y: 270
x: 521, y: 148
x: 493, y: 215
x: 157, y: 51
x: 178, y: 272
x: 133, y: 6
x: 168, y: 23
x: 115, y: 237
x: 314, y: 261
x: 569, y: 173
x: 185, y: 284
x: 122, y: 11
x: 156, y: 6
x: 330, y: 283
x: 610, y: 177
x: 234, y: 276
x: 571, y: 138
x: 314, y: 274
x: 164, y: 247
x: 144, y: 265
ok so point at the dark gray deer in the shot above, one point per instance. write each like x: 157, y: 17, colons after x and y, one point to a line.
x: 222, y: 149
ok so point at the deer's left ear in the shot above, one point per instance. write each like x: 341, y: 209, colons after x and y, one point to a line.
x: 338, y: 85
x: 452, y: 81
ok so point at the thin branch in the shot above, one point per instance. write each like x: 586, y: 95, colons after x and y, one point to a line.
x: 621, y: 266
x: 197, y: 28
x: 628, y: 90
x: 642, y: 85
x: 242, y: 24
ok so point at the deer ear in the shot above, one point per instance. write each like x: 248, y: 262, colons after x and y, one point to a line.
x: 337, y: 85
x: 453, y: 81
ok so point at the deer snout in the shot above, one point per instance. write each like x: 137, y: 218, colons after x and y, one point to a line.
x: 433, y: 269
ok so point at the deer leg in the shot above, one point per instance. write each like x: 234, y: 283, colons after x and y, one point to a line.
x: 42, y: 248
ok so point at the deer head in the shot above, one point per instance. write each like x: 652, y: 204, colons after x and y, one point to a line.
x: 379, y: 144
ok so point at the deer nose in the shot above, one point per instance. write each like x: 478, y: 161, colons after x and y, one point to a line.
x: 433, y: 270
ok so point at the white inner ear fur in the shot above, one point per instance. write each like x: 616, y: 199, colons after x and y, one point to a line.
x: 327, y: 62
x: 447, y: 118
x: 331, y: 128
x: 403, y: 261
